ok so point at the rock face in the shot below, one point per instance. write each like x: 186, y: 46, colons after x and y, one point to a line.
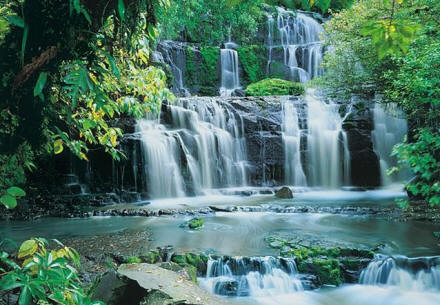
x: 166, y: 287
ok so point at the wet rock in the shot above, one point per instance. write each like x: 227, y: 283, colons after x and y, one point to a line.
x: 116, y: 289
x: 309, y: 281
x: 226, y: 287
x: 284, y: 193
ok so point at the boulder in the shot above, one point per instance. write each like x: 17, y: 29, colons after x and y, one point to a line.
x: 284, y: 193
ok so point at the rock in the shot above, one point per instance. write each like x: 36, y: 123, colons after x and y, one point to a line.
x: 117, y: 289
x: 196, y: 223
x: 309, y: 281
x: 226, y: 287
x: 172, y: 286
x: 284, y: 193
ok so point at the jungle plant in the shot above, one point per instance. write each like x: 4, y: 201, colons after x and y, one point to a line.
x: 42, y: 275
x: 274, y: 86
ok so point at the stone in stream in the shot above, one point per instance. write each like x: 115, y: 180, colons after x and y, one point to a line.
x: 284, y: 193
x: 165, y: 287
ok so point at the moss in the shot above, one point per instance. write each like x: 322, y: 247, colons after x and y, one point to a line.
x: 151, y: 257
x: 196, y: 223
x: 208, y: 68
x: 192, y: 272
x: 133, y: 260
x: 192, y: 259
x: 328, y: 271
x: 274, y: 86
x: 191, y: 68
x: 178, y: 259
x: 253, y: 60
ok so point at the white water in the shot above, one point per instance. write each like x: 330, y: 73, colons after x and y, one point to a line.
x: 257, y: 277
x: 328, y: 155
x: 294, y: 173
x: 230, y: 79
x: 298, y: 35
x: 389, y: 129
x: 204, y: 148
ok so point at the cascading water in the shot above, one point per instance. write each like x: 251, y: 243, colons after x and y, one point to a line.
x: 202, y: 147
x: 389, y: 129
x: 254, y: 277
x: 298, y: 36
x: 420, y: 274
x: 294, y: 173
x: 327, y: 144
x: 230, y: 79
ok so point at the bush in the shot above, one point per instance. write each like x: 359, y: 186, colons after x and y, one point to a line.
x: 274, y: 86
x: 42, y: 275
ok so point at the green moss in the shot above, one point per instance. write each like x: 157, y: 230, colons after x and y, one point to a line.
x: 208, y: 69
x: 191, y: 68
x: 196, y: 223
x: 192, y: 259
x: 133, y: 260
x: 253, y: 59
x: 151, y: 257
x: 192, y: 272
x: 328, y: 271
x: 178, y: 259
x: 274, y: 86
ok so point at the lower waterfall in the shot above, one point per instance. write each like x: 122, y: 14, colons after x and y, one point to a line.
x: 255, y: 277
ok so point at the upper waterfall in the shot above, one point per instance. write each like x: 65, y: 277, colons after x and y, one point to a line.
x: 299, y: 37
x: 230, y: 79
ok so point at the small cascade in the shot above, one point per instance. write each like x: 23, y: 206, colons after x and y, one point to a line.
x: 298, y: 35
x: 389, y: 129
x: 255, y: 277
x: 328, y: 154
x: 174, y: 54
x: 201, y: 147
x: 230, y: 79
x: 420, y: 274
x: 294, y: 173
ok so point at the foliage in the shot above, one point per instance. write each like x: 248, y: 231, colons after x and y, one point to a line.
x: 323, y: 6
x: 274, y: 86
x: 211, y: 22
x: 43, y: 275
x: 208, y: 70
x: 423, y: 157
x: 69, y: 71
x: 133, y: 260
x: 253, y: 58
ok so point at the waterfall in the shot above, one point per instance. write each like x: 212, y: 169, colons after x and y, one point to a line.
x: 201, y: 147
x: 175, y: 57
x: 327, y: 145
x: 255, y: 277
x: 294, y: 174
x: 408, y: 273
x: 298, y: 36
x: 389, y: 129
x: 230, y: 79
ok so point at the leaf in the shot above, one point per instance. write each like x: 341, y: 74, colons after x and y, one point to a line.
x: 9, y: 282
x: 16, y: 191
x: 41, y: 82
x: 113, y: 64
x: 23, y: 43
x: 121, y: 9
x: 16, y: 20
x: 27, y: 248
x: 8, y: 201
x: 25, y: 296
x: 58, y: 146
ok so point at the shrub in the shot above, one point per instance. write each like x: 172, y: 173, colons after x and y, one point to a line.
x: 274, y: 86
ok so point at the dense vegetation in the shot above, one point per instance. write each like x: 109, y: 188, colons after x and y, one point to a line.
x: 274, y: 86
x: 393, y: 47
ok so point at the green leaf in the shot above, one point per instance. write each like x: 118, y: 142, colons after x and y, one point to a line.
x: 113, y: 65
x: 41, y: 82
x: 8, y: 201
x: 16, y: 191
x: 58, y: 146
x: 23, y: 43
x: 9, y: 282
x: 27, y: 248
x: 25, y: 296
x: 121, y: 9
x: 16, y: 20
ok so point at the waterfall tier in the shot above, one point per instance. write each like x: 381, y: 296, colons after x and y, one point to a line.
x: 255, y: 277
x: 200, y: 147
x: 408, y: 273
x: 230, y: 79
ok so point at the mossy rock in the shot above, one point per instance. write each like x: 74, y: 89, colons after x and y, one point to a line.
x: 191, y: 271
x: 274, y: 86
x: 196, y: 223
x: 151, y: 257
x: 179, y: 259
x: 132, y: 260
x: 327, y: 270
